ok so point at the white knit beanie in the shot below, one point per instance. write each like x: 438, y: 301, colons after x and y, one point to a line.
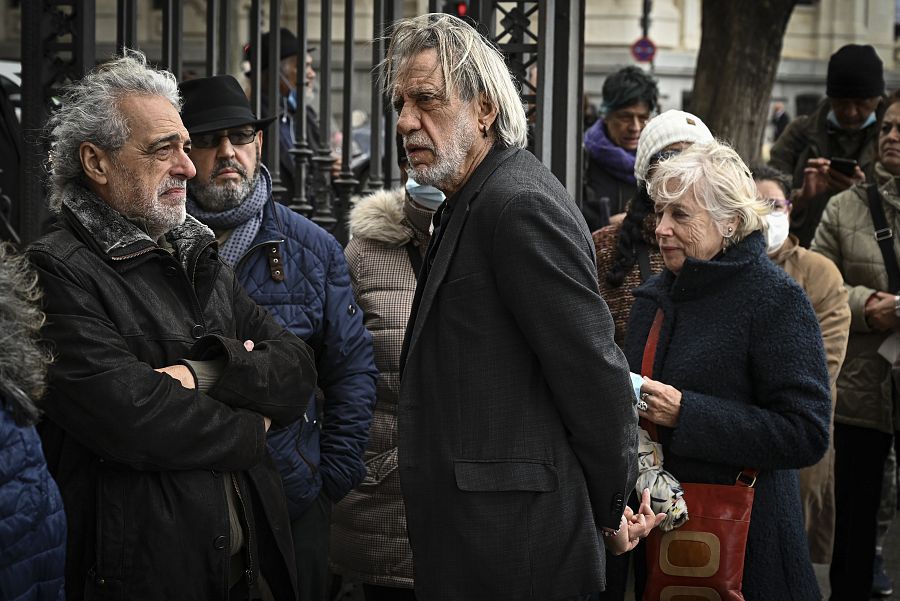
x: 664, y: 129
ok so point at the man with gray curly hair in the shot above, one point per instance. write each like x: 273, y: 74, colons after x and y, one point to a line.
x: 516, y: 420
x: 166, y: 376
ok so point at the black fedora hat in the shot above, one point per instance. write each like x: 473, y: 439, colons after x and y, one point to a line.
x: 290, y: 46
x: 218, y: 102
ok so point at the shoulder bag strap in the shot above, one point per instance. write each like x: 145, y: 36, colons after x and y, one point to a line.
x: 647, y: 365
x: 415, y: 259
x: 643, y: 257
x: 885, y: 237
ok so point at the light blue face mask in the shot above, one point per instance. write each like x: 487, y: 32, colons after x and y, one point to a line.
x: 832, y: 118
x: 427, y: 196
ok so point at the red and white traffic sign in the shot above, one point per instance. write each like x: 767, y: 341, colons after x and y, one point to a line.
x: 643, y: 50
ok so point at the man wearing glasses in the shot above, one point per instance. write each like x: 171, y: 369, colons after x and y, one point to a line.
x: 297, y: 271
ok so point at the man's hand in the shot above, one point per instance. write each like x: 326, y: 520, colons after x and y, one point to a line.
x: 634, y: 527
x: 181, y: 373
x: 838, y: 182
x: 879, y: 312
x: 819, y: 178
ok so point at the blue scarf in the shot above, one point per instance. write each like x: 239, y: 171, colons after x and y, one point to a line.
x: 615, y: 159
x: 246, y: 218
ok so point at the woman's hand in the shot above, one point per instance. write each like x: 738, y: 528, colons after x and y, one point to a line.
x: 879, y: 312
x: 634, y: 527
x: 660, y: 403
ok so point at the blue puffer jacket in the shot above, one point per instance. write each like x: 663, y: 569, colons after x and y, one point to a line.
x: 306, y: 288
x: 32, y: 522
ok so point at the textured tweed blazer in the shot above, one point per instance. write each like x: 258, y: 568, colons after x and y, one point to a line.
x: 517, y: 426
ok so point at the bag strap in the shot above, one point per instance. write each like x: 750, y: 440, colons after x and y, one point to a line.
x: 651, y: 344
x: 747, y: 477
x: 885, y: 237
x: 647, y: 365
x: 415, y: 259
x: 643, y: 257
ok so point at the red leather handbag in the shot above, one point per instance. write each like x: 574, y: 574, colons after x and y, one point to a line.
x: 703, y: 559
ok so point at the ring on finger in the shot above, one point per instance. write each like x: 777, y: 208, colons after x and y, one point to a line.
x: 642, y: 405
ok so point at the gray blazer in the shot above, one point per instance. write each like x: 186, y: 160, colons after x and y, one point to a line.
x: 517, y: 425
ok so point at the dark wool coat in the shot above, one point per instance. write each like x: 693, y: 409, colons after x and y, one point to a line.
x: 517, y: 420
x: 742, y: 344
x: 312, y: 298
x: 142, y: 462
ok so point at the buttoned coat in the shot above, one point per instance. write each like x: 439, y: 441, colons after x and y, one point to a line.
x: 517, y: 425
x: 741, y: 343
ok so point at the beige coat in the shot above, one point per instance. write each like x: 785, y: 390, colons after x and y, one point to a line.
x: 369, y: 541
x: 824, y: 286
x: 846, y: 236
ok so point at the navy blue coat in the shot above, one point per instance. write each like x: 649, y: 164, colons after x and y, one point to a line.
x: 315, y: 301
x: 742, y: 344
x: 32, y: 521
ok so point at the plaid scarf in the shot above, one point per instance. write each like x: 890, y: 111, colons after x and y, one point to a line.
x: 246, y: 218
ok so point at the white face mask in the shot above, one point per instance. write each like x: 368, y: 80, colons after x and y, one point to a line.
x: 779, y: 227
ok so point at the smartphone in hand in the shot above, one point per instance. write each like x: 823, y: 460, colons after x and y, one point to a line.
x: 844, y: 166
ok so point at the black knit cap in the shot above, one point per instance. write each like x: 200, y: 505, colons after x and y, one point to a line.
x: 855, y: 71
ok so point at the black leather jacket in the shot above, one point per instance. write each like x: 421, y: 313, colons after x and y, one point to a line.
x: 142, y: 462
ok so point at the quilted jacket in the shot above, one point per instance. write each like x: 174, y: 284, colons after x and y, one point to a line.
x: 312, y: 298
x: 32, y: 521
x: 847, y: 237
x: 368, y: 535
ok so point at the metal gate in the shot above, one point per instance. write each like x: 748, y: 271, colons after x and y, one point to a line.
x: 542, y: 38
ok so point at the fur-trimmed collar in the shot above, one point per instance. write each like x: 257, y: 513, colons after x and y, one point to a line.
x: 118, y: 237
x: 381, y: 217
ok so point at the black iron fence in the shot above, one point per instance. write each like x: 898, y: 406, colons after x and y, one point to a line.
x: 542, y: 40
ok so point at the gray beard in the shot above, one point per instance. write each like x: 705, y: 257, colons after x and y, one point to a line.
x: 217, y: 198
x: 441, y: 173
x: 145, y: 206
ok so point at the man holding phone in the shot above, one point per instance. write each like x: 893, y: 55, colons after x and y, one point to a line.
x: 834, y: 147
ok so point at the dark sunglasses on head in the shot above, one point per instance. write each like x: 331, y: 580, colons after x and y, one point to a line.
x: 213, y: 139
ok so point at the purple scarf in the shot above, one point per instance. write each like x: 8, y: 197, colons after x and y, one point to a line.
x: 615, y: 159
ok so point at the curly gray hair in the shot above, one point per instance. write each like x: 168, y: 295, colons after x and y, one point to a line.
x: 469, y: 64
x: 90, y: 113
x: 23, y: 363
